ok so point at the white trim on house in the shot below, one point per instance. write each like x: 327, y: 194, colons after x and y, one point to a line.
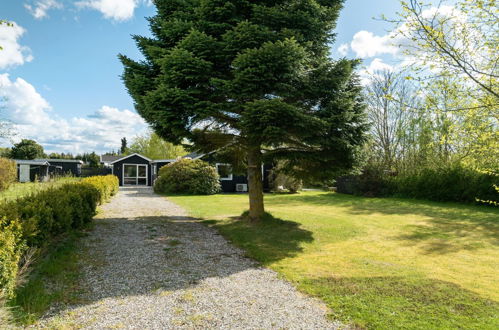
x: 227, y: 178
x: 137, y: 177
x: 60, y: 160
x: 31, y: 162
x: 135, y: 154
x: 164, y: 161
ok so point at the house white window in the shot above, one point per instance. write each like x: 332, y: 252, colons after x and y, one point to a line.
x: 225, y: 171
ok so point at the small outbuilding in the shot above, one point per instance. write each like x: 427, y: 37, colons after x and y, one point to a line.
x: 64, y: 166
x: 32, y: 170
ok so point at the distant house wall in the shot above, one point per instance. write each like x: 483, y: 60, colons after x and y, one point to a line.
x: 65, y: 168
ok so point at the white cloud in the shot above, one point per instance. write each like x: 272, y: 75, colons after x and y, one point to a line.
x: 13, y: 53
x: 33, y: 118
x: 343, y: 49
x: 41, y: 7
x: 377, y: 65
x: 118, y: 10
x: 366, y: 44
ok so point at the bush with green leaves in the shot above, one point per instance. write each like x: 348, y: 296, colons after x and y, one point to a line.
x: 282, y: 180
x: 188, y: 176
x: 36, y: 220
x: 107, y: 185
x: 8, y: 173
x: 11, y: 248
x: 451, y: 183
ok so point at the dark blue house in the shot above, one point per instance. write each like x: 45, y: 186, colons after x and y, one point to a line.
x: 138, y: 170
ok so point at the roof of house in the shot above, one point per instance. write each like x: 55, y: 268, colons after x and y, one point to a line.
x: 39, y: 162
x: 62, y: 160
x: 194, y: 155
x: 125, y: 157
x: 109, y: 158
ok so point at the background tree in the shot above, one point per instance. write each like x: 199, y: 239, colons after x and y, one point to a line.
x: 124, y: 148
x: 91, y: 159
x: 255, y: 75
x: 26, y: 149
x: 457, y: 41
x: 390, y: 103
x: 154, y: 147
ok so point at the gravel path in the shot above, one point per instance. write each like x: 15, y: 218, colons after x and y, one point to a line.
x: 149, y: 266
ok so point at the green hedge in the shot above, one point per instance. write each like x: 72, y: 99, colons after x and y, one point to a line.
x: 34, y: 221
x: 8, y: 173
x: 108, y: 186
x: 451, y: 183
x: 188, y: 176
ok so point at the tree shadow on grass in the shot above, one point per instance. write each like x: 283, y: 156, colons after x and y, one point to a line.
x: 445, y: 227
x: 270, y: 240
x: 402, y: 302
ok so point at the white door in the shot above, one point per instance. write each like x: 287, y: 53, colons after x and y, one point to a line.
x: 24, y: 173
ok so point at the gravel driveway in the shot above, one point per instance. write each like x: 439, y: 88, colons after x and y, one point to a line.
x: 149, y: 266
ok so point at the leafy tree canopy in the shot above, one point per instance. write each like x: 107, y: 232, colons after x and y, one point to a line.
x: 154, y: 147
x: 255, y: 75
x: 27, y: 149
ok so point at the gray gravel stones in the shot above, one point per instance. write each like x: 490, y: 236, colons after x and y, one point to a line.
x: 149, y: 266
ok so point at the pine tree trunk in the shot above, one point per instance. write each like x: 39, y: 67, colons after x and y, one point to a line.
x: 255, y: 184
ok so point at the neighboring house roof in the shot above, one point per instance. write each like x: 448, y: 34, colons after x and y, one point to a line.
x: 62, y: 160
x: 194, y: 155
x: 109, y: 158
x: 125, y: 157
x: 39, y: 162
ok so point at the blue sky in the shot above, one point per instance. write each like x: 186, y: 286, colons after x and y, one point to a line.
x: 59, y: 72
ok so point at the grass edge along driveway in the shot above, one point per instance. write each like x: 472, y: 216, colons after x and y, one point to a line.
x: 379, y: 263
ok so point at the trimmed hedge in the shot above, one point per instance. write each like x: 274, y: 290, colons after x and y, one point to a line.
x: 8, y: 173
x: 108, y: 186
x: 34, y: 221
x: 455, y: 183
x: 446, y: 184
x: 188, y: 176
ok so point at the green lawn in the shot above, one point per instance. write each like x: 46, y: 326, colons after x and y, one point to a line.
x: 378, y: 263
x: 22, y: 189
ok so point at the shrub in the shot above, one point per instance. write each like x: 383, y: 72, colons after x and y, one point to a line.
x: 11, y: 248
x: 8, y: 173
x: 187, y: 176
x: 107, y: 185
x: 452, y: 183
x: 34, y: 221
x: 447, y: 183
x: 292, y: 184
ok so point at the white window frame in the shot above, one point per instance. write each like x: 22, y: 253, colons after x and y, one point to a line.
x: 228, y: 178
x: 137, y: 177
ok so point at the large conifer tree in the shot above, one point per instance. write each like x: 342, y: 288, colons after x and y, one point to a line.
x: 252, y: 75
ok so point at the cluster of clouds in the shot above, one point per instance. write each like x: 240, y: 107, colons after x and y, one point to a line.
x: 13, y: 53
x: 117, y: 10
x: 32, y: 116
x: 386, y: 52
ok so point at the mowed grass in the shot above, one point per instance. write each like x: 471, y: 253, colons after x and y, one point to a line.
x: 377, y: 263
x: 18, y: 189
